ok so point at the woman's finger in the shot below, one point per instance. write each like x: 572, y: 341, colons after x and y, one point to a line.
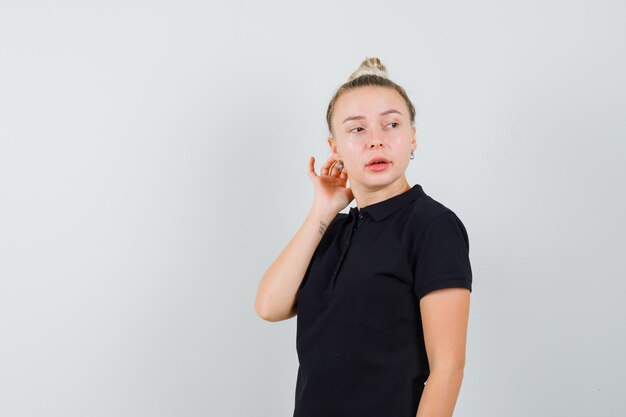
x: 326, y: 167
x: 311, y: 170
x: 333, y: 168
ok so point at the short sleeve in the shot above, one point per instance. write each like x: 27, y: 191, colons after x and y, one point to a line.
x: 442, y: 259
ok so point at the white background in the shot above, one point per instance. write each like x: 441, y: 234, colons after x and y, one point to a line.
x: 153, y: 161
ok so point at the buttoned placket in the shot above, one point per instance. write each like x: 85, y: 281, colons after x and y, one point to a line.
x: 357, y: 223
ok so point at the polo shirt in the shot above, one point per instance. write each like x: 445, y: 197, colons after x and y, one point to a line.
x: 359, y: 337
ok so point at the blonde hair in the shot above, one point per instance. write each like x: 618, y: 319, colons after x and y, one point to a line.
x: 371, y: 72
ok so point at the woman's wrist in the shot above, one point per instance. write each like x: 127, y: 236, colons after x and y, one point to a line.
x: 321, y: 217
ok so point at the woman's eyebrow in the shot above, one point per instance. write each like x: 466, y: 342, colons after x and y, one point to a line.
x: 390, y: 111
x: 386, y: 112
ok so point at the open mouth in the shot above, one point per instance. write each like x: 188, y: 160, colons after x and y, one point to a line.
x: 378, y: 165
x: 377, y: 161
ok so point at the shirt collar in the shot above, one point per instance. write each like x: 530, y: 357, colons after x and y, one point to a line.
x: 382, y: 209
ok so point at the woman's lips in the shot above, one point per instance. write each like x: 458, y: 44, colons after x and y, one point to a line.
x: 378, y: 166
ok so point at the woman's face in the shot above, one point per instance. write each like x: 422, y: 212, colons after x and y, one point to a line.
x: 371, y: 123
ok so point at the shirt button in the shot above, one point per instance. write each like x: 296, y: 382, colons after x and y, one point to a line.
x: 361, y: 216
x: 354, y: 230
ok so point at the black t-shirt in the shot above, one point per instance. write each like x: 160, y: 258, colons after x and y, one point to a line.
x: 359, y: 338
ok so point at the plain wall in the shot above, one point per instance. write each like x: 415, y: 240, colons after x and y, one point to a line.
x: 153, y: 160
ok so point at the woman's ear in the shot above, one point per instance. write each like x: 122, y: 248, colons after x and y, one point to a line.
x: 333, y: 148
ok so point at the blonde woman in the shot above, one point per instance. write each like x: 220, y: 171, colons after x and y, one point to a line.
x: 381, y: 293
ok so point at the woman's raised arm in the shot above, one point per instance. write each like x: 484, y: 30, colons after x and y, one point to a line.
x: 277, y: 291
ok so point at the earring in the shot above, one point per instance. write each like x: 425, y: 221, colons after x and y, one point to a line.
x: 340, y: 165
x: 412, y: 155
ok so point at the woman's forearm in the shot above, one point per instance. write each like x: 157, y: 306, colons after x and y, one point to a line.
x: 276, y: 293
x: 440, y: 394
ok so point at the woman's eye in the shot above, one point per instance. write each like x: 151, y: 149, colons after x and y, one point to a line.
x: 393, y: 123
x: 355, y: 131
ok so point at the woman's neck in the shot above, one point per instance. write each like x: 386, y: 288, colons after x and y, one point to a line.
x: 366, y: 196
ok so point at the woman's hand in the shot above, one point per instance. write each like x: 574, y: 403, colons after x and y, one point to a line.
x: 331, y: 193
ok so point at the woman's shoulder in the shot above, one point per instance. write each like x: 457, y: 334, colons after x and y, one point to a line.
x: 426, y: 209
x: 432, y: 220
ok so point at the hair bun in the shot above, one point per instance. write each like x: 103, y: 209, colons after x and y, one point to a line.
x: 370, y: 66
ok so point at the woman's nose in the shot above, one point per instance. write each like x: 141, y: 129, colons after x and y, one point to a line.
x: 376, y: 141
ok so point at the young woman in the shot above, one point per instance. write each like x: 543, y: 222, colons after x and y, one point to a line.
x: 381, y: 293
